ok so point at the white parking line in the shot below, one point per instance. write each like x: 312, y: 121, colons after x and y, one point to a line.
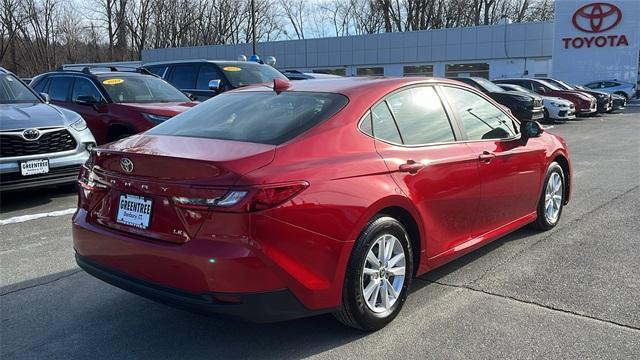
x: 23, y: 218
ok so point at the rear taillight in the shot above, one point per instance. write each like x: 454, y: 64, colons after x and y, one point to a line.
x: 269, y: 197
x: 245, y: 199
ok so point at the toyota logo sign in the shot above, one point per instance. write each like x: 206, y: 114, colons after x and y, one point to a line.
x: 31, y: 134
x: 126, y: 165
x: 597, y: 17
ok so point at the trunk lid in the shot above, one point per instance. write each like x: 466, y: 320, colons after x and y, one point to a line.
x: 143, y: 174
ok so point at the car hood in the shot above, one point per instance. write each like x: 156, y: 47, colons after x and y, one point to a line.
x: 578, y: 93
x: 520, y: 96
x: 166, y: 109
x: 31, y: 115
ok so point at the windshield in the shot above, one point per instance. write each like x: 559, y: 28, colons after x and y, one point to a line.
x: 12, y: 91
x: 259, y: 117
x: 549, y: 85
x: 518, y: 88
x: 141, y: 89
x: 488, y: 85
x: 561, y: 84
x: 248, y: 73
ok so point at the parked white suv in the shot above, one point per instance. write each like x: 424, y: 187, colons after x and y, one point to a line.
x: 40, y: 144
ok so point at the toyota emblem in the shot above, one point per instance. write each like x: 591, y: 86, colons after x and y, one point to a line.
x: 31, y: 134
x: 126, y: 164
x: 597, y: 17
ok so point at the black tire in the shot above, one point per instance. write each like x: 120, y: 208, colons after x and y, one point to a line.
x: 354, y: 311
x: 543, y: 222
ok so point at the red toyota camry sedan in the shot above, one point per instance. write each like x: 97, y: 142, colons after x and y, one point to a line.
x: 276, y: 202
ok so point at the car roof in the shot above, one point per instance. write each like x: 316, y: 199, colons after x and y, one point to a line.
x: 226, y: 62
x: 355, y: 85
x: 2, y: 70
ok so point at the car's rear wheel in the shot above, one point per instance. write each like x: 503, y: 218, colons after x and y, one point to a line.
x: 552, y: 198
x: 378, y: 275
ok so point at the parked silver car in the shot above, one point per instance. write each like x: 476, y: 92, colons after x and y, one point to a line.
x: 623, y: 88
x: 40, y: 144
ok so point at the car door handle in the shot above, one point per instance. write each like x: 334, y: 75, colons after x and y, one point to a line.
x: 411, y: 167
x: 486, y: 156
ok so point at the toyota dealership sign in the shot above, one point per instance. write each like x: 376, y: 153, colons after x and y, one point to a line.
x: 596, y: 40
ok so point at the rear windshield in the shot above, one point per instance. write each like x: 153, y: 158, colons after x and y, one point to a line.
x: 259, y: 117
x: 141, y: 89
x: 12, y: 91
x: 248, y: 73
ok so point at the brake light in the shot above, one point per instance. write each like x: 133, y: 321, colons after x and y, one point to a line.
x: 244, y: 200
x: 268, y: 197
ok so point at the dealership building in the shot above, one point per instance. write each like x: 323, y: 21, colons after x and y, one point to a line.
x: 587, y: 40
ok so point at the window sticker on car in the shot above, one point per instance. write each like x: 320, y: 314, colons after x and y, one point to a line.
x: 231, y: 68
x: 113, y: 81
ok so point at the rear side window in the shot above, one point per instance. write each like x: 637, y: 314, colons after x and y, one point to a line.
x: 384, y: 127
x: 480, y: 119
x: 420, y: 116
x: 259, y: 117
x: 157, y: 69
x: 59, y: 87
x: 184, y: 76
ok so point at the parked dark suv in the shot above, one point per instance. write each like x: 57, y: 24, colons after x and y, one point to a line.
x: 207, y: 78
x: 115, y: 102
x: 525, y: 106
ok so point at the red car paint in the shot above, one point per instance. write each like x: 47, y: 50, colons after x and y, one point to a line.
x: 458, y: 201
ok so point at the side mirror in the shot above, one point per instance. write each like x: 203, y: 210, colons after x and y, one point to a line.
x: 530, y: 129
x: 215, y: 85
x: 86, y: 100
x: 189, y: 95
x: 46, y: 97
x: 541, y: 90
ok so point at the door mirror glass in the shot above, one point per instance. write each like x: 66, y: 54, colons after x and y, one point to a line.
x: 541, y: 90
x: 215, y: 85
x: 530, y: 129
x: 46, y: 98
x: 86, y: 100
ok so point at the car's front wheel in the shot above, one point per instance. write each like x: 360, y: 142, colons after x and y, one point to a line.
x: 378, y: 275
x: 552, y: 198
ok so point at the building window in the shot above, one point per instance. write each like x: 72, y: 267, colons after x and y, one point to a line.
x: 466, y: 70
x: 370, y: 71
x: 334, y: 71
x: 418, y: 70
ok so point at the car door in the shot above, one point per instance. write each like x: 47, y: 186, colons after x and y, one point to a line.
x: 96, y: 115
x: 184, y: 76
x: 510, y: 173
x: 207, y: 73
x: 417, y: 141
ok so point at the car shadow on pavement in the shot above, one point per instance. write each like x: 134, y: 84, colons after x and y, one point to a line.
x: 73, y: 315
x: 25, y: 199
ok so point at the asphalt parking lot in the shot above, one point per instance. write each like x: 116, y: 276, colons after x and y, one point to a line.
x: 573, y: 292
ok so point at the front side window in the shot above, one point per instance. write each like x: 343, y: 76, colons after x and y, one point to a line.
x: 384, y: 127
x: 480, y: 119
x: 84, y: 87
x: 59, y: 87
x: 141, y: 89
x: 207, y: 73
x: 12, y: 91
x: 258, y: 117
x: 420, y: 116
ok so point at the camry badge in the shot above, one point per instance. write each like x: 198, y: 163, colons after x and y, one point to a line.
x: 126, y: 165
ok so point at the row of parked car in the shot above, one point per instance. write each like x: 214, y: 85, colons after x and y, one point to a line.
x: 43, y: 144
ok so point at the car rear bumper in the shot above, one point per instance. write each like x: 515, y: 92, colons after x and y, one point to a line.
x: 227, y: 257
x: 272, y: 306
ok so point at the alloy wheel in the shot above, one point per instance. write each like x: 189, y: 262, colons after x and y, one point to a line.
x: 553, y: 198
x: 384, y: 273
